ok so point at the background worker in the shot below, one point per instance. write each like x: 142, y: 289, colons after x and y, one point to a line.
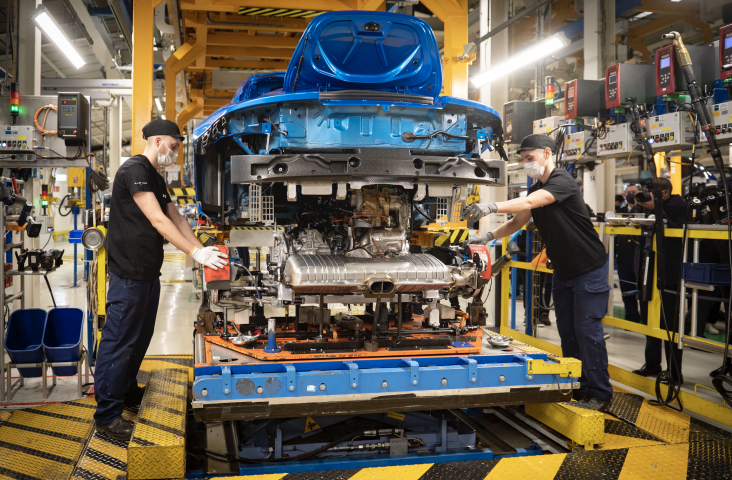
x: 580, y: 287
x: 674, y: 214
x: 625, y: 247
x: 142, y: 215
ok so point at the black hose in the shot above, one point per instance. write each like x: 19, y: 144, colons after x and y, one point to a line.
x: 60, y: 204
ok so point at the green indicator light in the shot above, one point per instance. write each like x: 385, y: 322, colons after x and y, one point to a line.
x: 44, y: 203
x: 14, y: 109
x: 549, y: 101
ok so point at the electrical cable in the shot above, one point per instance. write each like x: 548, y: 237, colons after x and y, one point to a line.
x: 304, y: 456
x: 67, y: 197
x: 45, y: 277
x: 41, y: 128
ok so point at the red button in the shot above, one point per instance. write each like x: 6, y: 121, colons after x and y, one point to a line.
x: 74, y: 132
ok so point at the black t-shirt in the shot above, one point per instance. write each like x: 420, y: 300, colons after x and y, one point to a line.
x: 572, y: 244
x: 134, y: 247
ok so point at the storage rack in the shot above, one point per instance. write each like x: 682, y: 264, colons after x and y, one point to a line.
x: 6, y: 368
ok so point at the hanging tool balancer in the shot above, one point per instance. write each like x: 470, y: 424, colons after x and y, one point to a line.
x: 638, y: 126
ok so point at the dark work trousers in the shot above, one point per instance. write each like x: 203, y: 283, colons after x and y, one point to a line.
x: 626, y: 275
x: 653, y: 345
x: 132, y: 306
x: 580, y: 304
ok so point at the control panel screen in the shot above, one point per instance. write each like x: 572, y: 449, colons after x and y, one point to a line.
x: 728, y: 42
x: 569, y: 103
x: 728, y: 48
x: 613, y: 78
x: 664, y: 72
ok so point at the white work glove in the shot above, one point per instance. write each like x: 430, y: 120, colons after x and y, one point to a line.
x: 211, y: 257
x: 482, y: 240
x: 476, y: 211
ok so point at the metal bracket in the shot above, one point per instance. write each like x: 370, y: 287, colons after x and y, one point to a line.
x: 413, y: 370
x: 472, y: 368
x: 291, y: 373
x: 226, y: 380
x: 353, y: 372
x: 564, y: 367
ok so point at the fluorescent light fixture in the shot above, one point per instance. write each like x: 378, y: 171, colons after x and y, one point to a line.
x: 48, y: 25
x: 163, y: 117
x: 532, y: 54
x: 158, y: 104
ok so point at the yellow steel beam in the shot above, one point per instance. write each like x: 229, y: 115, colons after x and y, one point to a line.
x: 192, y: 109
x: 375, y: 5
x: 234, y: 5
x: 241, y: 52
x: 239, y: 40
x: 143, y: 18
x: 636, y: 43
x: 212, y: 63
x: 454, y: 14
x: 183, y: 57
x: 669, y: 8
x: 236, y: 22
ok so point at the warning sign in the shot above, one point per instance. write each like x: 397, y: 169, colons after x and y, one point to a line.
x: 311, y: 425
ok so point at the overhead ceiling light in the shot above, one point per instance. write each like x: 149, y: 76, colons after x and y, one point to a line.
x: 163, y: 117
x: 157, y: 104
x: 530, y: 55
x: 48, y: 25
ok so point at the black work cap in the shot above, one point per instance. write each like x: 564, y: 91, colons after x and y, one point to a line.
x: 537, y: 141
x: 161, y: 127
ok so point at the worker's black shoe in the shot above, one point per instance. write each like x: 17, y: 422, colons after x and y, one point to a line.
x: 134, y: 398
x: 120, y: 429
x: 592, y: 403
x: 544, y: 319
x: 647, y: 371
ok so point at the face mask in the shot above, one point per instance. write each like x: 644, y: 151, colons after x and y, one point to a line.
x: 168, y: 159
x: 630, y: 198
x: 533, y: 169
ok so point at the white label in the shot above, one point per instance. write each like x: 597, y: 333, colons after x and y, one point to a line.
x: 311, y: 388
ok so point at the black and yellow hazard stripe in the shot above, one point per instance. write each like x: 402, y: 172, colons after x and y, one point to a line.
x: 453, y: 237
x: 257, y: 228
x: 45, y: 442
x: 157, y: 447
x: 279, y: 12
x: 182, y: 192
x: 184, y: 201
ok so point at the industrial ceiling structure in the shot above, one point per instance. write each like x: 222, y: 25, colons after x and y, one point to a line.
x: 203, y: 49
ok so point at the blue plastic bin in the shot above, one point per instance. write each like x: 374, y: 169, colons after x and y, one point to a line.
x: 75, y: 236
x: 24, y: 337
x: 707, y: 273
x: 62, y: 338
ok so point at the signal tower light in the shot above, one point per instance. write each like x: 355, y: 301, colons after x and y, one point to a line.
x: 14, y: 101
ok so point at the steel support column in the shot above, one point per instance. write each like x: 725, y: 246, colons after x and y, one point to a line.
x: 454, y: 14
x: 115, y: 137
x: 29, y: 50
x: 143, y: 18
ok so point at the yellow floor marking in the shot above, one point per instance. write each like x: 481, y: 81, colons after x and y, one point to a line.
x: 403, y: 472
x: 614, y: 442
x: 33, y: 466
x: 5, y: 415
x: 110, y: 449
x: 660, y: 462
x: 664, y: 423
x: 544, y: 467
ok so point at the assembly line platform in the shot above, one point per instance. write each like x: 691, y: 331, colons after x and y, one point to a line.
x: 639, y: 440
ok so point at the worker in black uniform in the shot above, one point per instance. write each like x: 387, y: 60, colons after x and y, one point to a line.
x: 142, y: 215
x: 625, y: 247
x: 580, y: 287
x: 674, y: 213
